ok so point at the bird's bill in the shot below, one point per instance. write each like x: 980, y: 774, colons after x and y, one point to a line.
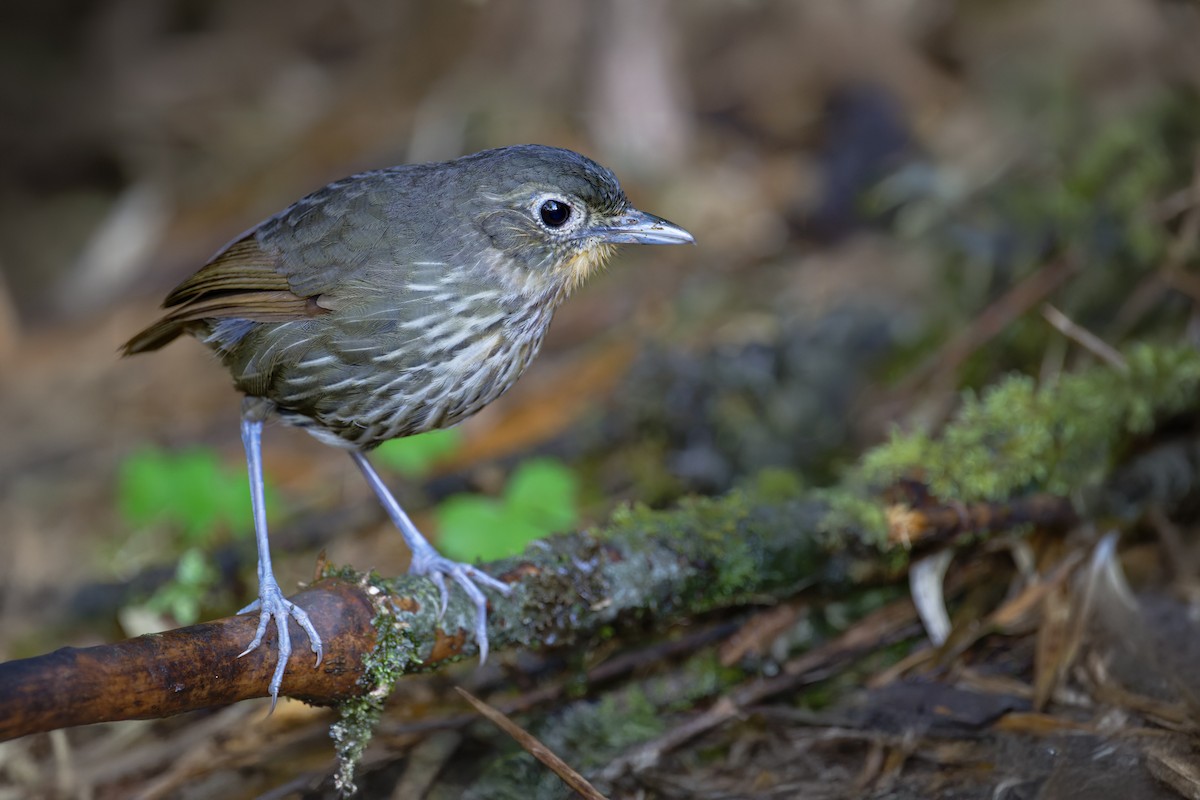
x: 638, y: 227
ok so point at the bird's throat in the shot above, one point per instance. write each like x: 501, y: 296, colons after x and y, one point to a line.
x: 576, y: 269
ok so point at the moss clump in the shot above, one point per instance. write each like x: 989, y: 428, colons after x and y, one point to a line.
x: 1017, y: 437
x: 739, y: 526
x: 394, y: 654
x: 331, y: 571
x: 775, y: 485
x: 351, y: 734
x: 850, y: 508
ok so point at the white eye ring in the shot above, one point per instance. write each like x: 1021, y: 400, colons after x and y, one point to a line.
x: 556, y: 213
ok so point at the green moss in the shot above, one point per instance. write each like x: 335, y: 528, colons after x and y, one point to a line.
x: 1084, y: 185
x: 1016, y: 437
x: 589, y: 734
x: 693, y: 532
x: 850, y: 508
x: 703, y: 676
x: 342, y: 572
x: 775, y: 485
x: 394, y: 655
x: 351, y: 734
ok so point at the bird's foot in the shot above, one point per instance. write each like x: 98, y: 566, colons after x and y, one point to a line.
x: 272, y: 603
x: 428, y: 562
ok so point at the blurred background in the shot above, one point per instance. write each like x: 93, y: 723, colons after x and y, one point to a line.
x: 884, y: 193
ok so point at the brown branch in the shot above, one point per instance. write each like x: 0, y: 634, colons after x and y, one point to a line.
x: 648, y: 567
x: 921, y: 526
x: 161, y: 674
x: 661, y: 567
x: 532, y: 745
x: 658, y: 568
x: 1082, y: 336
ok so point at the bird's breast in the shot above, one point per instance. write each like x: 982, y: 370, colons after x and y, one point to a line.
x: 400, y: 378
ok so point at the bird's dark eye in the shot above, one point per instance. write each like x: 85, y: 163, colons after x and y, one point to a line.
x: 555, y: 213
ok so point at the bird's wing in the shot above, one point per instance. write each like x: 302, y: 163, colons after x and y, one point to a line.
x: 241, y: 282
x: 243, y: 267
x: 348, y: 232
x: 308, y: 260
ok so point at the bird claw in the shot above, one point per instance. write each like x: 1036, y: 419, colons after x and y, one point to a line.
x: 427, y: 561
x: 436, y: 567
x: 272, y: 603
x: 440, y: 582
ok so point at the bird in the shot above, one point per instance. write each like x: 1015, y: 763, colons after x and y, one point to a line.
x: 393, y: 302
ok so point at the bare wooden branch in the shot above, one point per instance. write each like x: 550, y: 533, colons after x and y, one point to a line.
x: 162, y: 674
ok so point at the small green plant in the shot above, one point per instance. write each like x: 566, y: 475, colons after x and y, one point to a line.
x: 415, y: 456
x: 191, y: 498
x: 190, y: 491
x: 181, y: 597
x: 540, y: 498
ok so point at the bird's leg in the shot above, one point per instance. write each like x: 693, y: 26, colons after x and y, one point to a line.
x: 428, y: 561
x: 271, y: 601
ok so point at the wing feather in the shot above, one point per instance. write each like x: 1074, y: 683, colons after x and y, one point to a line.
x: 300, y: 263
x: 241, y: 267
x: 241, y: 282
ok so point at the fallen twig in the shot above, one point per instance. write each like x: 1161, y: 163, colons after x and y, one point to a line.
x: 576, y: 782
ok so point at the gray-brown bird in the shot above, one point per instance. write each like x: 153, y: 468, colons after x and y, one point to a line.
x: 394, y: 302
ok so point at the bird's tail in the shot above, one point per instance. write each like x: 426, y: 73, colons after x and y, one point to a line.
x: 161, y: 333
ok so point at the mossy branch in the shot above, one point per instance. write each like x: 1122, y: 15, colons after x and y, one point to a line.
x: 646, y: 568
x: 756, y: 545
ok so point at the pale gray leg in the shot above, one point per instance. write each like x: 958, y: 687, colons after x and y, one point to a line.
x: 271, y: 601
x: 427, y: 561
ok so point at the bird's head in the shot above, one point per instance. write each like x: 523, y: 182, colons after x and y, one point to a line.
x: 557, y: 216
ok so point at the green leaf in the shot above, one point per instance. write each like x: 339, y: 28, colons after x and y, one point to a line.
x: 190, y: 491
x: 195, y: 569
x: 415, y: 456
x: 540, y: 498
x: 473, y: 528
x: 545, y: 491
x: 183, y: 595
x: 194, y: 496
